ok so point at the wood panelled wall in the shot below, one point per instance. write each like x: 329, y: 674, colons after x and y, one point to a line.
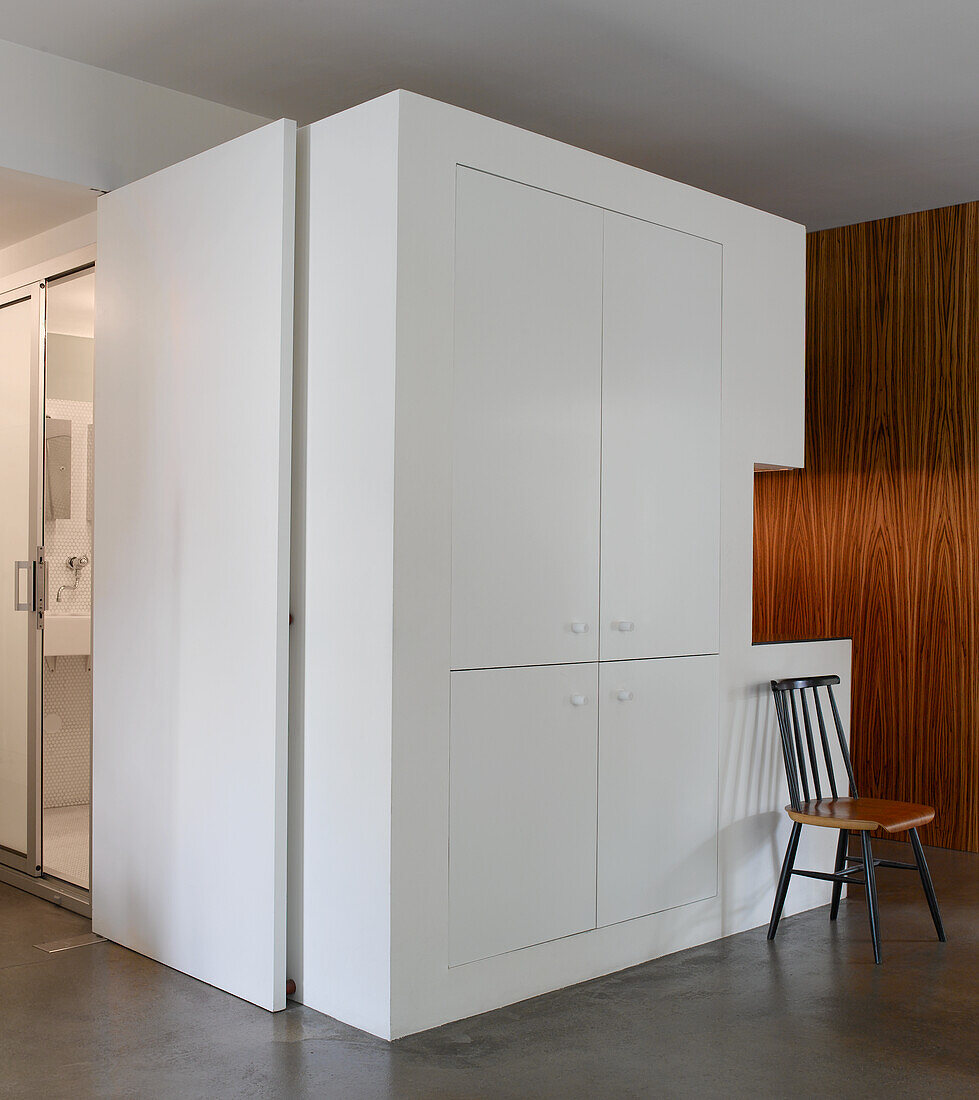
x: 877, y: 539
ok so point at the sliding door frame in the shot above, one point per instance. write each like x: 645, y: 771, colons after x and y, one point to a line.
x: 30, y: 863
x: 80, y: 896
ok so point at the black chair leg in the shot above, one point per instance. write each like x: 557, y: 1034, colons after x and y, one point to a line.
x: 840, y: 864
x: 919, y: 858
x: 783, y: 878
x: 871, y: 881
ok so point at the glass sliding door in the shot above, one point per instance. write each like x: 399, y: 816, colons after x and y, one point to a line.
x: 21, y: 575
x: 68, y: 513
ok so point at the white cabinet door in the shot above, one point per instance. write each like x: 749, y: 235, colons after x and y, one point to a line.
x: 522, y: 819
x: 193, y: 386
x: 527, y: 425
x: 657, y: 785
x: 661, y: 402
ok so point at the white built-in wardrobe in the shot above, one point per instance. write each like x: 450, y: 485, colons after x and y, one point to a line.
x: 475, y: 713
x: 524, y: 622
x: 585, y: 553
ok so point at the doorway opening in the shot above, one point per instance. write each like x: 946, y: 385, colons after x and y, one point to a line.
x: 47, y: 315
x: 68, y: 517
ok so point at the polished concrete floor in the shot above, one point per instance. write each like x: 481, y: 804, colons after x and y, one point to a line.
x: 809, y: 1015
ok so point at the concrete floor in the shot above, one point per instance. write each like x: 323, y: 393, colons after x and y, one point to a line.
x: 810, y: 1015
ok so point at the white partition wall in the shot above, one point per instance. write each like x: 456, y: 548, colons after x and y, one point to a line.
x: 191, y: 563
x: 538, y: 382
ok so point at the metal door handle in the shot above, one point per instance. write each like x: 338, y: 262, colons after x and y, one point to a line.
x: 26, y: 604
x: 579, y: 628
x: 624, y: 625
x: 579, y: 700
x: 624, y: 696
x: 41, y: 603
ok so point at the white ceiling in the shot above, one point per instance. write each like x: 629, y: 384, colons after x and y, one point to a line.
x: 826, y: 111
x: 31, y: 204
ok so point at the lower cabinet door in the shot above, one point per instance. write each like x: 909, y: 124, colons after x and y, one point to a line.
x: 657, y: 785
x: 522, y: 815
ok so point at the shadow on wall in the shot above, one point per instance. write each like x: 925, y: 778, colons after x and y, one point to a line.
x: 749, y: 840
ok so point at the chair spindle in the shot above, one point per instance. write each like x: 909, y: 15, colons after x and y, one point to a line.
x: 798, y: 746
x: 810, y: 744
x: 830, y: 771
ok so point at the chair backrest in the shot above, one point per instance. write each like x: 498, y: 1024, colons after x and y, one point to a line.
x: 799, y: 742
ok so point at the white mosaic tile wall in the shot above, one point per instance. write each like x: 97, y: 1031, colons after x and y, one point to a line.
x: 68, y: 684
x: 64, y: 537
x: 67, y: 752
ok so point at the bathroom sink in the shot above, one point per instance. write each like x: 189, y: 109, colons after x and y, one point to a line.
x: 65, y: 635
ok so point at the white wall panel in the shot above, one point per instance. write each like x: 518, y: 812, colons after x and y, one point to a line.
x: 191, y: 563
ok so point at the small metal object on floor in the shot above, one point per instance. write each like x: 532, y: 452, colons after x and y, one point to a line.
x: 73, y: 941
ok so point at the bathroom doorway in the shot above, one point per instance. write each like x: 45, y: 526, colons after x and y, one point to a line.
x: 47, y: 298
x: 68, y: 516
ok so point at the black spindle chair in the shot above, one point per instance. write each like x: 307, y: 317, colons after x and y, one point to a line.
x: 802, y: 745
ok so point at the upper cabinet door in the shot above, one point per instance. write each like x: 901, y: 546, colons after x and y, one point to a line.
x: 661, y: 428
x: 527, y: 425
x: 193, y: 418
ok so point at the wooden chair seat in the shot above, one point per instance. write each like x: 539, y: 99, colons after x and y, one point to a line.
x: 858, y: 814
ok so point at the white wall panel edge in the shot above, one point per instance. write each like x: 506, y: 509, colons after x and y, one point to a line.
x: 353, y: 167
x: 297, y: 575
x: 284, y: 571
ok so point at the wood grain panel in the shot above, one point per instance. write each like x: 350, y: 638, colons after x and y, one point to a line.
x: 878, y: 538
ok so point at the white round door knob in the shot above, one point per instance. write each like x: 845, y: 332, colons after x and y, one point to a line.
x: 625, y: 625
x: 579, y: 700
x: 624, y: 696
x: 579, y: 628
